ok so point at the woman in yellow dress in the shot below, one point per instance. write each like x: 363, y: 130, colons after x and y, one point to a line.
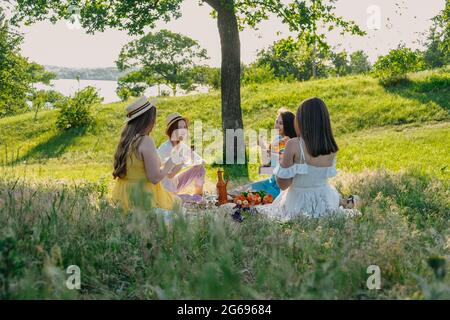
x: 137, y: 166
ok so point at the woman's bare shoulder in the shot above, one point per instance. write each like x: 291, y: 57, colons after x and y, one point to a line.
x: 147, y: 141
x: 293, y: 149
x: 146, y: 144
x: 323, y: 160
x: 292, y: 144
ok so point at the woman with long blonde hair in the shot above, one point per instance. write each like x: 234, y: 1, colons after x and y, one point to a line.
x: 137, y: 166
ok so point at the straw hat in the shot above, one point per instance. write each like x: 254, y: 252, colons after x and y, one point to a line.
x: 173, y: 117
x: 138, y: 107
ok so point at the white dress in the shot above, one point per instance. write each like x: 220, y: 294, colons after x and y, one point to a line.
x: 181, y: 154
x: 310, y: 193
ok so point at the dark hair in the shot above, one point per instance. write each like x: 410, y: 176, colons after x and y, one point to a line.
x: 130, y: 138
x: 313, y: 125
x: 174, y: 126
x: 288, y: 119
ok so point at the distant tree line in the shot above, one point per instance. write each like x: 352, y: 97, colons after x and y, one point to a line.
x: 107, y: 73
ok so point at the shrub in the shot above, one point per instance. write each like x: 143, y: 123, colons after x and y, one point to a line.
x: 131, y: 85
x: 393, y: 67
x: 359, y: 62
x: 206, y: 76
x: 294, y: 59
x: 257, y: 74
x: 164, y: 93
x: 75, y: 112
x: 44, y: 99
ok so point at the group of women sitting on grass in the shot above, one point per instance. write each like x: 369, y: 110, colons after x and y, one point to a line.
x: 307, y: 159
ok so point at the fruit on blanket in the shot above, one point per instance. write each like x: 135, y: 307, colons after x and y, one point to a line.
x: 239, y: 198
x: 268, y: 199
x: 252, y: 198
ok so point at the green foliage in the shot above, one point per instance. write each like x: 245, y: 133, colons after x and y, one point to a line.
x: 16, y: 74
x: 132, y: 84
x: 355, y: 63
x: 340, y: 63
x: 305, y: 19
x: 45, y: 98
x: 359, y: 63
x: 163, y: 57
x: 126, y: 15
x: 39, y: 74
x: 11, y: 263
x: 437, y: 53
x: 15, y: 82
x: 257, y: 74
x: 124, y: 93
x: 393, y: 67
x: 206, y: 75
x: 293, y: 59
x: 296, y: 59
x: 75, y: 112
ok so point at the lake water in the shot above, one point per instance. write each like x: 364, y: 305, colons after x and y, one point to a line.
x: 107, y: 89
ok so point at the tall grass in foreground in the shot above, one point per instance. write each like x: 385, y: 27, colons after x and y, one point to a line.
x: 45, y: 227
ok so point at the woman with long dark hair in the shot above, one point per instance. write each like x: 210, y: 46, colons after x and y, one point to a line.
x: 137, y: 166
x: 308, y: 162
x: 284, y: 123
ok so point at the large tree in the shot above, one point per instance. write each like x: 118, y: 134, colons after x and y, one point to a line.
x: 163, y: 57
x: 437, y: 53
x: 232, y: 16
x: 17, y: 74
x: 14, y: 79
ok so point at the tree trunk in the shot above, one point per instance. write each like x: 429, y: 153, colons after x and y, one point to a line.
x: 174, y: 90
x: 230, y: 71
x: 314, y: 61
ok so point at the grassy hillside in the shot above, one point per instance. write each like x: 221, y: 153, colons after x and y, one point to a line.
x: 394, y: 154
x: 375, y: 126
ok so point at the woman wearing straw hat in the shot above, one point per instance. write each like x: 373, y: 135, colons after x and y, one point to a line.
x: 176, y: 149
x: 137, y: 166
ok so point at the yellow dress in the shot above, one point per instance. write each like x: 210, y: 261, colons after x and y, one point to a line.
x: 134, y: 190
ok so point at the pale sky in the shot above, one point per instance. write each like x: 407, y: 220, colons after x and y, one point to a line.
x: 401, y: 21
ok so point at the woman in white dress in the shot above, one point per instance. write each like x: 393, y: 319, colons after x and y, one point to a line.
x: 309, y: 160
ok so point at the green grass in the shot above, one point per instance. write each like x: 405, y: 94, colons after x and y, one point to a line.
x: 420, y: 148
x: 424, y: 149
x: 55, y: 209
x: 359, y: 106
x: 45, y: 227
